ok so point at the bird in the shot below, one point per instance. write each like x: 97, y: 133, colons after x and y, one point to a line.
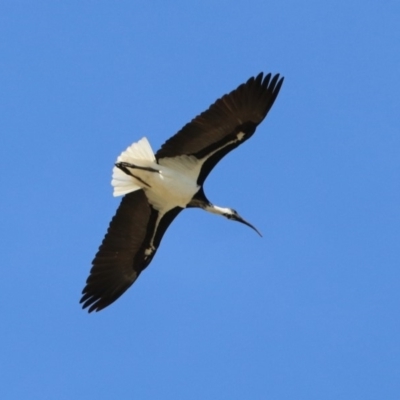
x: 157, y: 187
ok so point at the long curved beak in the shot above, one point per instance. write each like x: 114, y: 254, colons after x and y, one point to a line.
x: 243, y: 221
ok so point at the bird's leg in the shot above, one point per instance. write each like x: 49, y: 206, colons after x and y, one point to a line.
x: 124, y: 165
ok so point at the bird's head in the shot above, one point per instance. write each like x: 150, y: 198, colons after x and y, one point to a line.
x: 234, y: 216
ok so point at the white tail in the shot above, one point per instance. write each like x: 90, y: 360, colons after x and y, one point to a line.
x: 139, y: 153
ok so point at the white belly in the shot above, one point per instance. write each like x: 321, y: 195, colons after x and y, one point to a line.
x: 173, y: 186
x: 169, y: 188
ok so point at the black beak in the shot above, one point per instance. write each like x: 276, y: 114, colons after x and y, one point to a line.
x: 243, y: 221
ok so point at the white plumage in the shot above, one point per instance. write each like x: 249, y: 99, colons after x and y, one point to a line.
x: 170, y: 187
x: 157, y: 187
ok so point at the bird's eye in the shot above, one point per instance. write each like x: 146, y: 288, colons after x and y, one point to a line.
x: 232, y: 215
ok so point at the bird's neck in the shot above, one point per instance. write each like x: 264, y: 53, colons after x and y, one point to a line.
x: 200, y: 201
x: 217, y: 210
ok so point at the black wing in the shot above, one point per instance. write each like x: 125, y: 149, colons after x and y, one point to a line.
x: 121, y: 257
x: 217, y: 128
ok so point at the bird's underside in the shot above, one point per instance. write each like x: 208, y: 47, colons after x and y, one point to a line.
x: 157, y: 187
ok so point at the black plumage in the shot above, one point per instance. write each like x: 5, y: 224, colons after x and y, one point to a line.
x: 226, y: 124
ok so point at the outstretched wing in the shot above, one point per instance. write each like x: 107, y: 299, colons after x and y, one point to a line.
x: 122, y: 255
x: 230, y: 121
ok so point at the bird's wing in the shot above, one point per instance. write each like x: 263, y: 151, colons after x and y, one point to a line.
x: 121, y: 256
x: 215, y: 132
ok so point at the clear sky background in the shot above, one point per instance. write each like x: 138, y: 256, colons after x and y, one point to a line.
x: 309, y: 311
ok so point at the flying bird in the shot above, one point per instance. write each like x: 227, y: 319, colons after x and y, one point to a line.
x: 157, y: 187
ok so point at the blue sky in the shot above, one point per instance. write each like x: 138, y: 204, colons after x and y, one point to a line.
x: 309, y: 311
